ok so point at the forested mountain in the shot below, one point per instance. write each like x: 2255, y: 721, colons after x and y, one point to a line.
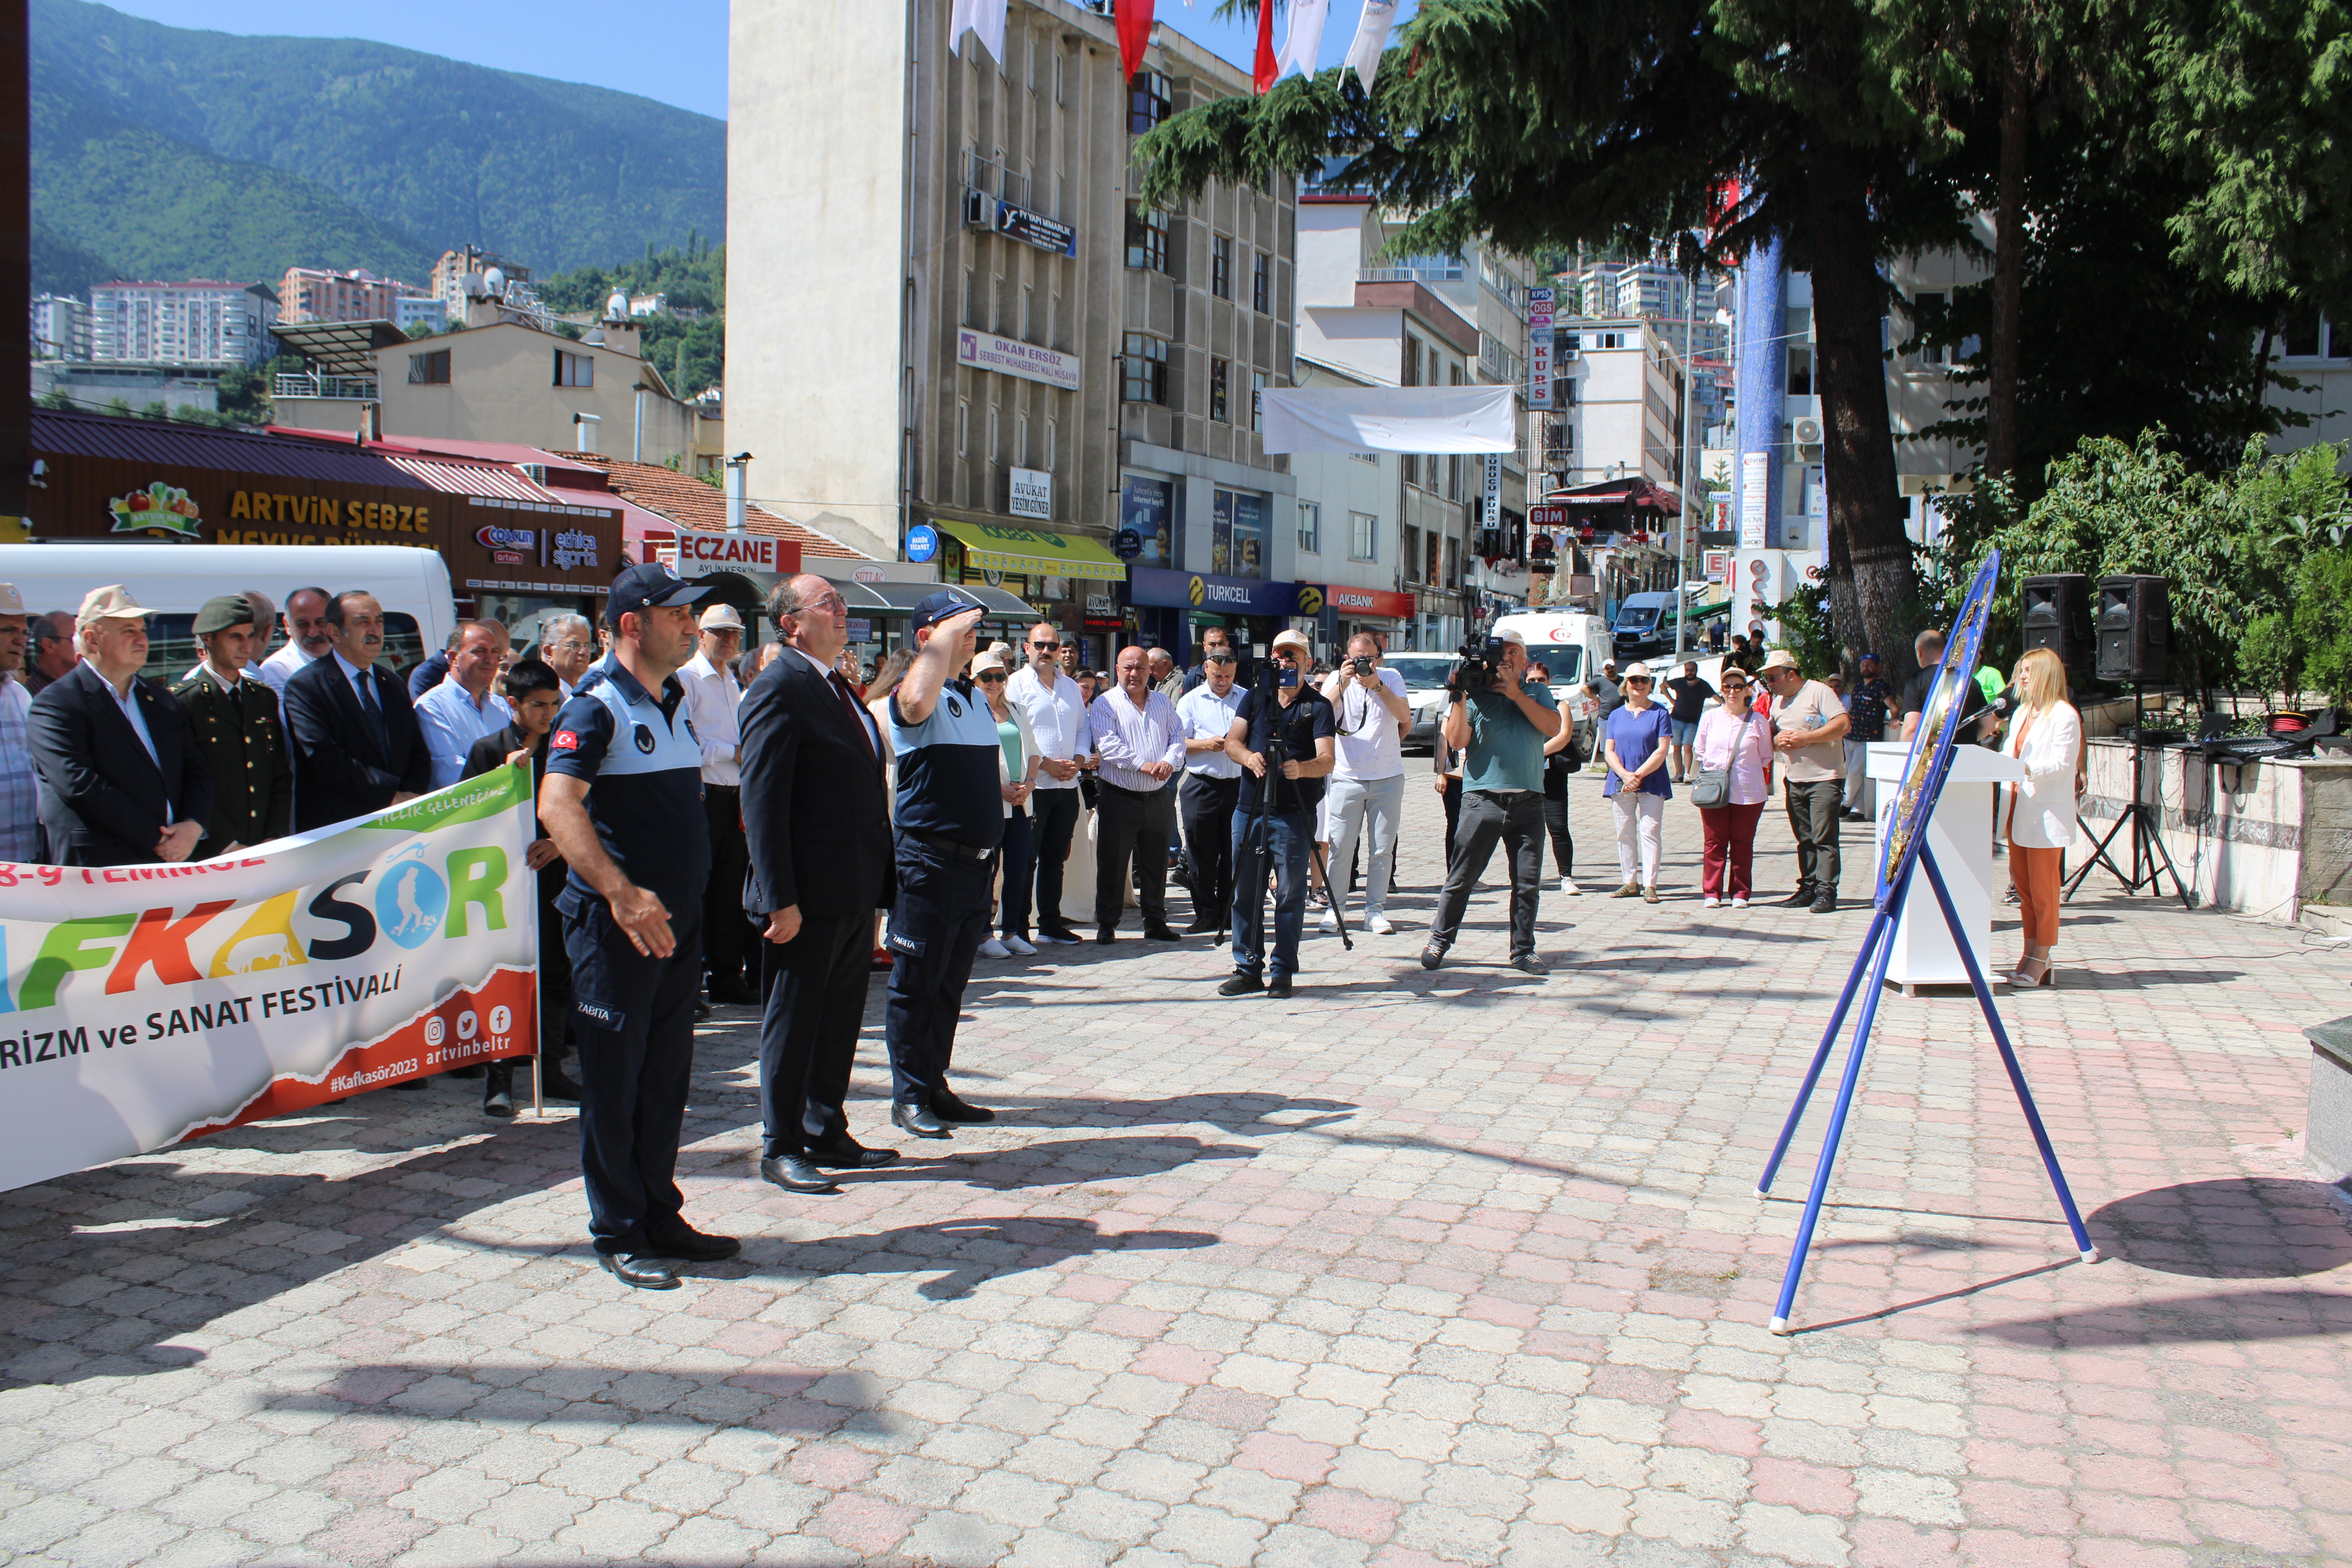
x: 173, y: 153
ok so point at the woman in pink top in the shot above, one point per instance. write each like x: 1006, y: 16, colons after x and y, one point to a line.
x: 1731, y: 736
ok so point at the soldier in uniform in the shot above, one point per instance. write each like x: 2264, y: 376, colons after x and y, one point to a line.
x: 238, y: 733
x: 623, y: 800
x: 949, y: 824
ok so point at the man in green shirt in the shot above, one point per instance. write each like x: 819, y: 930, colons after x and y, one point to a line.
x: 1501, y: 732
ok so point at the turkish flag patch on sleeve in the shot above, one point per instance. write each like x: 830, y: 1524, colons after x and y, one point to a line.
x: 563, y: 740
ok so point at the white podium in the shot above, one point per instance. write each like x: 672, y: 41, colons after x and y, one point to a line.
x: 1960, y: 835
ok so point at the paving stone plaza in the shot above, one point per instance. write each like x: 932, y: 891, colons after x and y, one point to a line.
x: 1413, y: 1270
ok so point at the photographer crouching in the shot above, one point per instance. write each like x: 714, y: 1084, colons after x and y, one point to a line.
x: 1282, y: 737
x: 1500, y: 727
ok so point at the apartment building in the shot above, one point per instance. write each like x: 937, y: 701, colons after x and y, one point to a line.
x: 62, y: 327
x: 1011, y: 364
x: 315, y: 294
x: 450, y: 273
x: 192, y: 323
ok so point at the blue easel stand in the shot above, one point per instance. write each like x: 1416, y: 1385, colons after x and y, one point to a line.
x: 1877, y: 948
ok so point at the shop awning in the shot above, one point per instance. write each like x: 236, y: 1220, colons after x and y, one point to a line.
x: 1034, y: 553
x: 900, y: 598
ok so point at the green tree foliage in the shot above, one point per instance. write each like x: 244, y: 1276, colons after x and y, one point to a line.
x: 2323, y: 620
x: 690, y: 351
x: 208, y: 155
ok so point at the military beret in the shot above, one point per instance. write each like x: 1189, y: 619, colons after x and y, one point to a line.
x: 221, y: 613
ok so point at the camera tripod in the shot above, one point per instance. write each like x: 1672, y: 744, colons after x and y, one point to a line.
x: 1256, y: 835
x: 2147, y: 850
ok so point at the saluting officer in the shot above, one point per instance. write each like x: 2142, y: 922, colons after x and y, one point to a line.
x: 949, y: 823
x: 623, y: 800
x: 238, y: 733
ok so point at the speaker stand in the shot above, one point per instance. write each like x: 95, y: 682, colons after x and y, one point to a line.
x: 2147, y: 850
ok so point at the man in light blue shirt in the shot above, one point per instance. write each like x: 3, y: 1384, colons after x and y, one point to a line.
x: 1212, y: 783
x: 463, y: 709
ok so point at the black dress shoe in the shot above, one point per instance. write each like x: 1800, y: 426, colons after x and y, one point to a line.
x: 1200, y: 928
x: 1106, y: 933
x: 1160, y: 933
x: 1826, y: 904
x: 949, y: 1106
x: 498, y: 1103
x: 1801, y: 897
x: 795, y: 1174
x: 554, y: 1085
x: 847, y: 1154
x: 1432, y: 956
x: 691, y: 1246
x: 642, y: 1269
x: 1528, y: 963
x: 1241, y: 982
x: 734, y: 996
x: 701, y: 1008
x: 1278, y: 987
x: 1059, y: 934
x: 918, y: 1120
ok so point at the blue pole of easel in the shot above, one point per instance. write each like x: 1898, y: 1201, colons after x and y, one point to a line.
x: 1822, y: 1053
x: 1876, y: 952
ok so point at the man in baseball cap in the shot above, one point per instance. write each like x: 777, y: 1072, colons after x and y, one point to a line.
x: 122, y: 781
x: 713, y: 696
x: 20, y: 813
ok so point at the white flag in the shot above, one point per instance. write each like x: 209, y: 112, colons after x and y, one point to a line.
x: 1305, y: 43
x: 1371, y: 38
x: 986, y: 18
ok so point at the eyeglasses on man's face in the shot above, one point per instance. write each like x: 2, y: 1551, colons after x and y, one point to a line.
x: 1048, y: 646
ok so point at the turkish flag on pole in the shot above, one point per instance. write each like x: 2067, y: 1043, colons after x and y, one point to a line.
x: 1267, y: 68
x: 1134, y: 18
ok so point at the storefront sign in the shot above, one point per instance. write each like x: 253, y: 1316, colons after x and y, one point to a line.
x: 1539, y: 347
x: 1492, y: 516
x: 1755, y: 499
x: 144, y: 1005
x: 1718, y: 565
x: 1353, y: 601
x: 1203, y: 591
x: 325, y: 511
x: 922, y: 541
x: 1033, y: 494
x: 1548, y: 514
x: 1035, y: 228
x: 700, y: 552
x: 1143, y: 510
x: 1010, y: 356
x: 159, y: 509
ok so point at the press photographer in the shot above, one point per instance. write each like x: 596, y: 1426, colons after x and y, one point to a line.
x: 1500, y: 727
x: 1368, y: 702
x: 1282, y: 736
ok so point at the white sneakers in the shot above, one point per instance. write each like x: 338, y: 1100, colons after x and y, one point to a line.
x: 1569, y: 887
x: 1017, y: 947
x: 993, y: 948
x: 1052, y: 940
x: 1379, y: 926
x: 1710, y: 902
x: 1740, y: 903
x: 1330, y: 921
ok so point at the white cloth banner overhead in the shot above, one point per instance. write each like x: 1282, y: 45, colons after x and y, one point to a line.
x: 1304, y: 44
x: 984, y: 17
x: 1418, y: 419
x: 1372, y: 40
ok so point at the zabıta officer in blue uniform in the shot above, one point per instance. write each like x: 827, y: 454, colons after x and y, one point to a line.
x: 623, y: 800
x: 949, y: 824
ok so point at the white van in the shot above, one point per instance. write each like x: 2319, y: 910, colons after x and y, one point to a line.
x: 174, y: 580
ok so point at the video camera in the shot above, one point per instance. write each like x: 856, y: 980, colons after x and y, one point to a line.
x: 1478, y: 661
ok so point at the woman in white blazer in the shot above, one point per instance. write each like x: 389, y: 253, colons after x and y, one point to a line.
x: 2037, y: 815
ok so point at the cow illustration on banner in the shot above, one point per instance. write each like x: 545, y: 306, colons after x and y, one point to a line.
x: 144, y: 1006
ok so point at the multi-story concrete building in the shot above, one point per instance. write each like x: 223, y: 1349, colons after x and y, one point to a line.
x: 1010, y: 363
x: 504, y: 379
x: 194, y: 323
x: 414, y: 311
x: 315, y: 294
x: 450, y: 273
x: 1653, y: 289
x: 62, y: 327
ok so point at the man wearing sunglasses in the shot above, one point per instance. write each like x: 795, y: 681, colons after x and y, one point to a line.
x: 1274, y: 822
x: 1045, y: 692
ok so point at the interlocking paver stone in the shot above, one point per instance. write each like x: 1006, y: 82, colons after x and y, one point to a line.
x: 1418, y: 1269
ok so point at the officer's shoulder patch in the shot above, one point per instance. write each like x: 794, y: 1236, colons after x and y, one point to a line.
x: 644, y: 740
x: 563, y: 740
x: 955, y: 708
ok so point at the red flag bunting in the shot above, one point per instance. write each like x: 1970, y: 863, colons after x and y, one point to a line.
x: 1134, y: 19
x: 1267, y: 68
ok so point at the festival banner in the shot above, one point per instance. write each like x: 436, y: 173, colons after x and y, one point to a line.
x: 144, y: 1005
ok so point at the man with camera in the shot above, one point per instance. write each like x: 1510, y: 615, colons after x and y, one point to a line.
x: 1368, y: 779
x: 1282, y: 737
x: 1501, y: 728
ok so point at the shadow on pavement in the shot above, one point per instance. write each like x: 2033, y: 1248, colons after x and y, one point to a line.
x: 2221, y: 1317
x: 2244, y: 1227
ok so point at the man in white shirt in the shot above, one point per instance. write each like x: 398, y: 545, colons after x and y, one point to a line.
x: 1142, y: 743
x: 1057, y: 716
x: 463, y: 709
x: 1368, y: 777
x: 568, y: 643
x: 713, y: 704
x: 1212, y: 787
x: 20, y: 786
x: 306, y: 639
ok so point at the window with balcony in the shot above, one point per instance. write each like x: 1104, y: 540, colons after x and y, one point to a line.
x: 574, y: 370
x: 1221, y: 267
x: 1147, y: 237
x: 1310, y: 528
x: 1363, y: 536
x: 1262, y: 283
x: 1149, y: 99
x: 1219, y: 370
x: 429, y: 370
x: 1146, y: 378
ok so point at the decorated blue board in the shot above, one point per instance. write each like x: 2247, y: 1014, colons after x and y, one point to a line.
x: 1939, y: 724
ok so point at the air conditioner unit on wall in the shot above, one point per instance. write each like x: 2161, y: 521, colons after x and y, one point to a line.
x: 1808, y: 432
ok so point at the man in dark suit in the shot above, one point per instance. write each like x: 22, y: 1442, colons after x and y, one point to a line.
x: 357, y: 747
x: 818, y: 819
x: 122, y: 781
x: 234, y: 718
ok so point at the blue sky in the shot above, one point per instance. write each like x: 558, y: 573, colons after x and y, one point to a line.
x: 675, y: 51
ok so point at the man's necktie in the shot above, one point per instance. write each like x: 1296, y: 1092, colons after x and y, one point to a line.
x: 849, y: 706
x: 374, y: 710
